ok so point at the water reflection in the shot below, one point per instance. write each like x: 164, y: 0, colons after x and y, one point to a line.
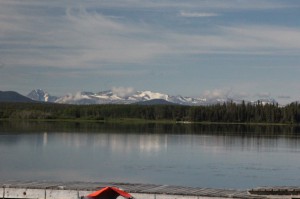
x: 219, y: 156
x: 147, y: 143
x: 45, y: 139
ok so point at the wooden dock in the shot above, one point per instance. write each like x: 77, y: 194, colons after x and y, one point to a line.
x: 75, y: 190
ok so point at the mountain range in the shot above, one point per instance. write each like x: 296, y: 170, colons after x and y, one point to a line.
x: 136, y: 97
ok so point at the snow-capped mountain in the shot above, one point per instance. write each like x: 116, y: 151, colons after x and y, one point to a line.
x: 40, y: 95
x: 114, y: 97
x: 109, y: 97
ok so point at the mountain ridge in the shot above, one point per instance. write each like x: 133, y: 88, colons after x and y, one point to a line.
x: 155, y: 102
x: 136, y: 97
x: 12, y: 96
x: 41, y: 95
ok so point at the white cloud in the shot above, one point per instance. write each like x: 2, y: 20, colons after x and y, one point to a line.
x: 216, y: 93
x: 123, y: 91
x: 224, y: 93
x: 76, y: 39
x: 198, y: 14
x: 70, y: 96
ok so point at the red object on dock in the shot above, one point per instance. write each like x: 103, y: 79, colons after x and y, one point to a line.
x: 109, y: 193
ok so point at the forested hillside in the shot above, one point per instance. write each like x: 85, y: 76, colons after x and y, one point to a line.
x: 227, y: 112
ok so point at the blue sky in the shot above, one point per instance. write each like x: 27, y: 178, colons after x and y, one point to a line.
x: 202, y: 48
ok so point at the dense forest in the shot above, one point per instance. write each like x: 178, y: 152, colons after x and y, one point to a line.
x: 222, y: 113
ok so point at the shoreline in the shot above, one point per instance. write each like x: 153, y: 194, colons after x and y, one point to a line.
x: 77, y: 190
x: 145, y: 121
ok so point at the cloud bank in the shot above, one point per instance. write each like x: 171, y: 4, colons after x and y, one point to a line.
x: 56, y: 34
x: 125, y: 42
x: 123, y: 91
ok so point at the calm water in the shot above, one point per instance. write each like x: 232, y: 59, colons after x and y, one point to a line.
x: 216, y: 156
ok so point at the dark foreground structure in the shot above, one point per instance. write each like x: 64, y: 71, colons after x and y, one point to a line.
x: 78, y: 190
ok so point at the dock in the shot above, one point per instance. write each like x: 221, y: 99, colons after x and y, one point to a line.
x: 76, y: 190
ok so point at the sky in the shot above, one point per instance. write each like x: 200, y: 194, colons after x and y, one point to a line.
x: 201, y: 48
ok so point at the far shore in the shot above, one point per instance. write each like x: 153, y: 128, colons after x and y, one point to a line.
x: 145, y: 121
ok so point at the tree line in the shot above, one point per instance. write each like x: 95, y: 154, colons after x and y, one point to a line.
x: 226, y: 112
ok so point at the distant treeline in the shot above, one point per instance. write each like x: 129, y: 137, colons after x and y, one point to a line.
x: 223, y: 113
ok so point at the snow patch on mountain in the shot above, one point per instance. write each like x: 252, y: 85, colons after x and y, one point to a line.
x: 129, y: 96
x: 122, y: 91
x: 125, y: 97
x: 41, y: 95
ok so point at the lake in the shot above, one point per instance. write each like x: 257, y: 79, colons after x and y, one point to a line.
x: 214, y: 156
